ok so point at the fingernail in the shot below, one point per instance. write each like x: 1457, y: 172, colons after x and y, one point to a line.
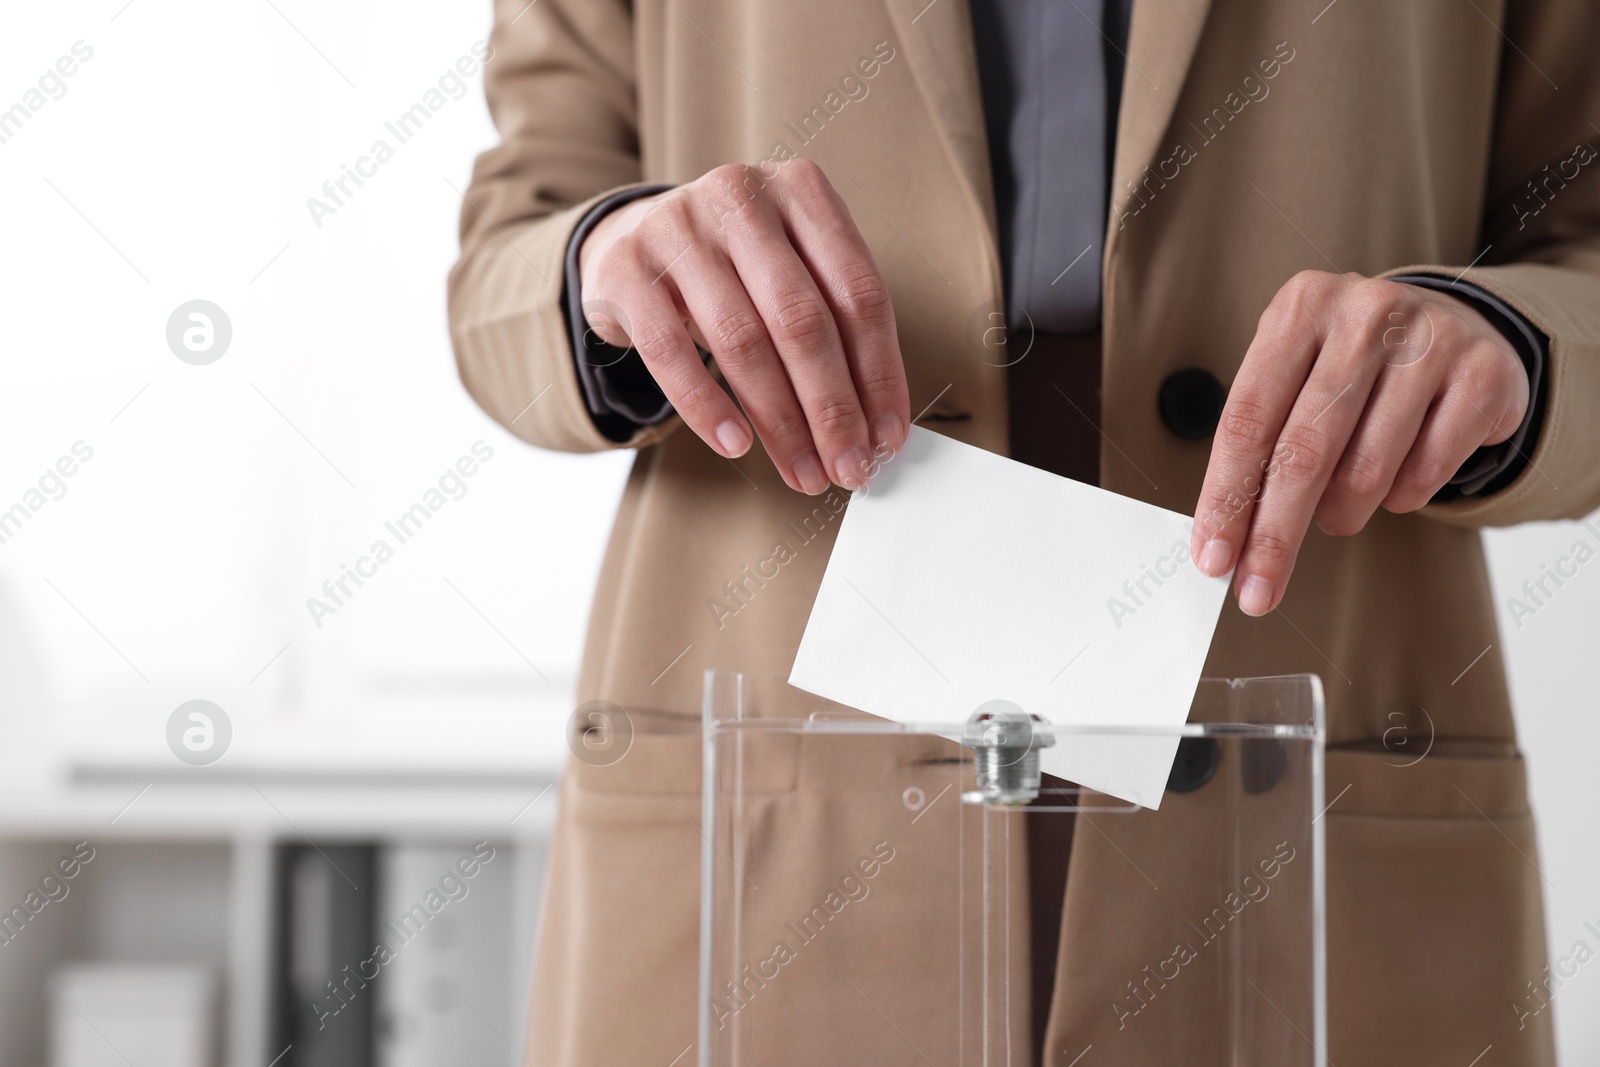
x: 1216, y: 557
x: 853, y: 467
x: 1255, y: 596
x: 733, y: 439
x: 808, y: 472
x: 888, y: 431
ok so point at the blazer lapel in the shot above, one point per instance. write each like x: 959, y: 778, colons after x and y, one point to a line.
x: 936, y: 38
x: 1161, y: 46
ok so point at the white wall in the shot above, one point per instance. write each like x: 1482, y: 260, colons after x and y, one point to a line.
x: 177, y: 164
x: 1553, y: 656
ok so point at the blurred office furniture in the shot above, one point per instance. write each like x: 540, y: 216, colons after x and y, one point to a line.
x: 322, y: 1004
x: 195, y: 867
x: 436, y: 993
x: 108, y: 1015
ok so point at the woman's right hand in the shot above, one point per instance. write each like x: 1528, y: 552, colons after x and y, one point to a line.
x: 765, y: 267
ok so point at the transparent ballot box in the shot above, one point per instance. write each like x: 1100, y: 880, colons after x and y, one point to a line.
x: 883, y: 893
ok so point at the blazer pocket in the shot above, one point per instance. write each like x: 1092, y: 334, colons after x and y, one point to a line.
x: 1386, y: 783
x: 662, y: 757
x: 1435, y: 910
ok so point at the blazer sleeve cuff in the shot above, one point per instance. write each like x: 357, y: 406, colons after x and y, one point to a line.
x: 1493, y: 467
x: 1560, y: 479
x: 621, y: 395
x: 511, y: 337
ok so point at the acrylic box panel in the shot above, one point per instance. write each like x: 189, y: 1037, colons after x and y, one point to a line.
x: 866, y: 888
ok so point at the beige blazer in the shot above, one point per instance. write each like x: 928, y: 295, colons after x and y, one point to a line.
x: 1428, y: 135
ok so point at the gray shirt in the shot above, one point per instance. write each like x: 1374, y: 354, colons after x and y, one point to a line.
x: 1051, y: 72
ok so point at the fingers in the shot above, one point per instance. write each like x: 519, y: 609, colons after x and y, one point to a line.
x: 1295, y: 406
x: 810, y: 349
x: 1355, y: 394
x: 801, y: 320
x: 1312, y: 442
x: 1424, y: 421
x: 1482, y: 405
x: 1366, y: 472
x: 1245, y: 450
x: 833, y: 250
x: 770, y: 270
x: 737, y: 336
x: 658, y: 332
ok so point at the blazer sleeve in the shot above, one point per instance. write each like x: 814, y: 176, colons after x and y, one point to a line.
x: 1542, y: 233
x: 559, y: 78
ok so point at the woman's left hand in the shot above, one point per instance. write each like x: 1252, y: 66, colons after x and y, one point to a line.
x: 1355, y: 394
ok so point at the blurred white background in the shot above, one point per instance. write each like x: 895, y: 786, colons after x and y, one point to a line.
x: 175, y: 563
x: 175, y: 164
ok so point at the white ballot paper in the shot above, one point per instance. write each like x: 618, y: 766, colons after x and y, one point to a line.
x: 960, y: 577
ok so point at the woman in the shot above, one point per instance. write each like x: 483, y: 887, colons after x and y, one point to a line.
x: 845, y: 200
